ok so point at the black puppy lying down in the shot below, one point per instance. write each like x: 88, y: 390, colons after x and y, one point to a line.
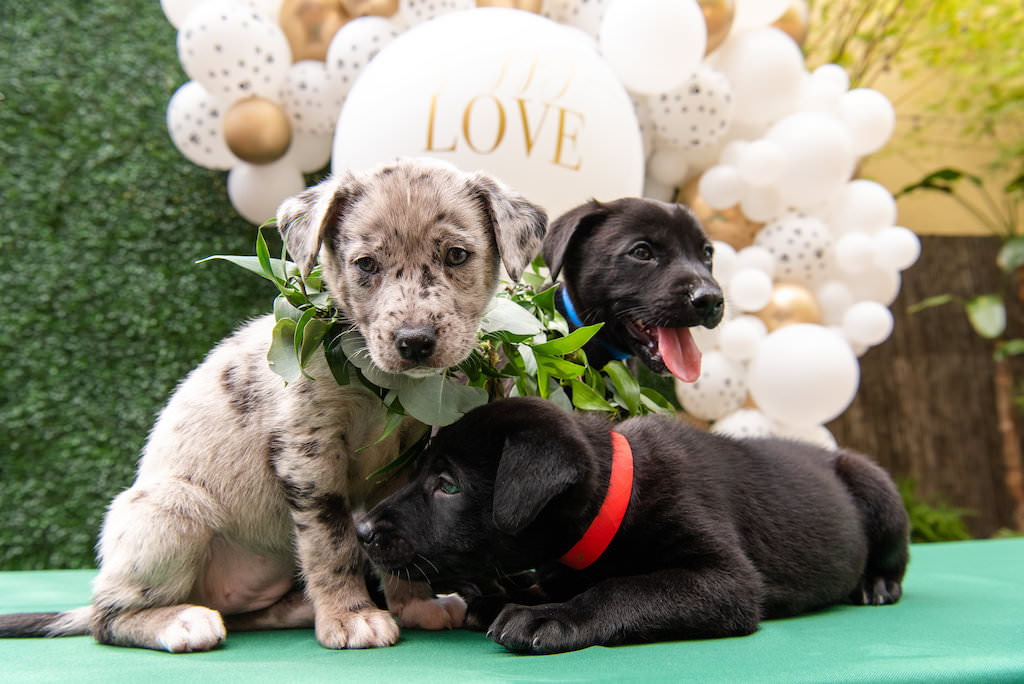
x: 656, y: 531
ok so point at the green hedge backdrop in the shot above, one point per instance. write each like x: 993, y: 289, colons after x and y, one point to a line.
x: 103, y: 309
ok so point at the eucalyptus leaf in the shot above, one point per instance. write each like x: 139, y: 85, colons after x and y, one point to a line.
x: 337, y: 361
x: 586, y: 399
x: 281, y: 355
x: 987, y: 315
x: 285, y: 309
x: 437, y: 400
x: 312, y: 338
x: 1011, y: 255
x: 559, y: 398
x: 504, y: 314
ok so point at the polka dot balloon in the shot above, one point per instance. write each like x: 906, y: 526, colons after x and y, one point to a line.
x: 721, y: 389
x: 412, y: 12
x: 311, y: 99
x: 697, y: 113
x: 353, y: 46
x: 800, y: 245
x: 195, y: 121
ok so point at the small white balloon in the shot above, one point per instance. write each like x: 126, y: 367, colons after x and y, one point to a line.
x: 668, y: 165
x: 655, y: 189
x: 311, y: 99
x: 749, y: 289
x: 819, y: 157
x: 766, y: 70
x: 644, y: 119
x: 762, y: 203
x: 309, y: 152
x: 760, y: 162
x: 233, y: 51
x: 754, y: 13
x: 756, y: 256
x: 195, y: 120
x: 720, y: 390
x: 354, y: 45
x: 256, y: 191
x: 868, y: 323
x: 583, y: 15
x: 800, y: 245
x: 741, y: 336
x: 744, y: 424
x: 697, y: 113
x: 652, y: 45
x: 862, y: 206
x: 897, y: 248
x: 721, y: 186
x: 875, y: 284
x: 177, y: 10
x: 723, y: 263
x: 854, y: 252
x: 413, y: 12
x: 833, y: 76
x: 803, y: 375
x: 870, y: 117
x: 733, y: 151
x: 706, y: 338
x: 819, y: 435
x: 834, y: 298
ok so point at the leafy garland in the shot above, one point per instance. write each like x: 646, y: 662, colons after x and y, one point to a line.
x: 524, y: 348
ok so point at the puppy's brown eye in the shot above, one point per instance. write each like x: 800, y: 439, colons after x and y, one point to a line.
x: 641, y: 251
x: 456, y: 256
x: 367, y: 265
x: 446, y: 485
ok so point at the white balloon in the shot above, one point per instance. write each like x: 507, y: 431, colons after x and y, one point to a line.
x: 897, y: 248
x: 766, y: 70
x: 761, y: 203
x: 760, y: 162
x: 871, y: 118
x: 655, y: 189
x: 256, y: 191
x: 652, y: 45
x: 721, y: 186
x: 644, y: 119
x: 819, y: 157
x: 803, y: 375
x: 311, y: 99
x: 697, y: 113
x: 413, y: 12
x: 309, y: 152
x: 752, y: 13
x: 233, y: 51
x: 723, y: 263
x: 195, y: 120
x: 584, y: 15
x: 744, y: 424
x: 834, y: 298
x: 177, y: 10
x: 741, y: 336
x: 868, y: 323
x: 354, y: 45
x: 833, y: 76
x: 749, y: 289
x: 800, y: 245
x: 706, y: 338
x: 862, y: 206
x: 668, y: 165
x: 819, y: 435
x: 720, y: 390
x: 756, y: 256
x: 544, y: 114
x: 854, y: 252
x: 874, y: 284
x: 733, y: 151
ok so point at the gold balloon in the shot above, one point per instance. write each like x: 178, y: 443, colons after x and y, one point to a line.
x: 257, y: 130
x: 794, y: 21
x: 378, y: 8
x: 309, y: 26
x: 726, y: 225
x: 528, y: 5
x: 790, y: 303
x: 718, y: 16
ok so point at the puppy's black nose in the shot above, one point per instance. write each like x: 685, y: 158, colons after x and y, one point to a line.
x: 415, y: 344
x: 709, y: 305
x: 364, y: 532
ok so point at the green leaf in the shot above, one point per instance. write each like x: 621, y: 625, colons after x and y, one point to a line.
x: 281, y: 355
x: 568, y: 344
x: 312, y: 337
x: 437, y: 400
x: 503, y: 314
x: 930, y: 302
x: 560, y: 368
x: 655, y: 402
x: 263, y: 257
x: 1014, y: 347
x: 392, y: 419
x: 337, y: 361
x: 252, y: 264
x: 987, y: 315
x: 625, y: 385
x: 285, y: 309
x: 586, y: 399
x: 1011, y: 255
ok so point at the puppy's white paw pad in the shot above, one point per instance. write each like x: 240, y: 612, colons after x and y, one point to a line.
x: 193, y: 629
x: 370, y: 628
x: 444, y: 612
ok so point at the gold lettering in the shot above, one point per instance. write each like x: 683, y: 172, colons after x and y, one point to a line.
x: 572, y: 135
x: 501, y: 124
x: 531, y: 137
x: 430, y: 128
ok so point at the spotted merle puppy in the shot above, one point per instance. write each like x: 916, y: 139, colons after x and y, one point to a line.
x: 643, y: 268
x: 246, y: 484
x: 651, y: 530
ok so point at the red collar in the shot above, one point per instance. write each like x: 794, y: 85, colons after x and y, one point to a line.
x: 604, y: 526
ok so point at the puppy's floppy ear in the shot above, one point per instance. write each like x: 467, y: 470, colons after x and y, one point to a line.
x: 304, y: 220
x: 567, y: 229
x: 535, y: 467
x: 518, y: 224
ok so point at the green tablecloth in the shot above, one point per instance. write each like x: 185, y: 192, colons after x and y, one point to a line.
x: 961, y: 619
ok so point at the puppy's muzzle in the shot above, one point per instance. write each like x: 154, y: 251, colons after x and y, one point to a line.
x: 386, y: 549
x: 416, y: 344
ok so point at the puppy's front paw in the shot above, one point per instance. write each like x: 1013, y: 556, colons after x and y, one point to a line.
x: 193, y: 629
x: 367, y: 628
x: 537, y: 630
x: 444, y: 612
x: 876, y: 591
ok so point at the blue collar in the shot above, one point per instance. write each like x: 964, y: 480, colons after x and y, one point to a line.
x: 574, y: 318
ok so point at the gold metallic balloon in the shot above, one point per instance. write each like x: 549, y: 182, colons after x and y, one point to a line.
x: 794, y: 21
x: 309, y: 26
x: 726, y: 225
x: 790, y: 303
x: 257, y: 130
x: 718, y: 16
x: 378, y: 8
x: 528, y: 5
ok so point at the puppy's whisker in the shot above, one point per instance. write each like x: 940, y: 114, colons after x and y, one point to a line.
x: 436, y: 571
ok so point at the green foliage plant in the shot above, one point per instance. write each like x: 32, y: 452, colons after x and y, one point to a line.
x: 936, y: 522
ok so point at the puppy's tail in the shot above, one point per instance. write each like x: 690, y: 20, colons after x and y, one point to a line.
x: 68, y: 623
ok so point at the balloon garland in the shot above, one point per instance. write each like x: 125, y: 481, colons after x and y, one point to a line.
x: 707, y: 102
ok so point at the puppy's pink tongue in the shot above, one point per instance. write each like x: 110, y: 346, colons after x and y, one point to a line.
x: 680, y: 353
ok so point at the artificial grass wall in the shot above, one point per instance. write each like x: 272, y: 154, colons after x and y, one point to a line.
x: 103, y: 309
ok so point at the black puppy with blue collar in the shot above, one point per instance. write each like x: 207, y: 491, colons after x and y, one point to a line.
x: 643, y: 268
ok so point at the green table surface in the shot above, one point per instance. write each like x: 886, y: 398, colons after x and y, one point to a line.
x: 961, y: 619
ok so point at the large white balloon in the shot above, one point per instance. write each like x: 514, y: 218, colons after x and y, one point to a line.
x: 501, y: 90
x: 255, y: 191
x: 766, y: 70
x: 195, y: 121
x: 862, y: 206
x: 803, y: 375
x: 819, y: 157
x: 871, y: 118
x: 652, y: 45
